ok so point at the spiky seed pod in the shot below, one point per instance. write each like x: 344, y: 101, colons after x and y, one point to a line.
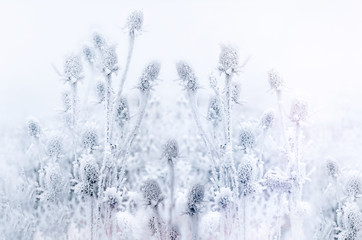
x: 277, y: 181
x: 174, y: 233
x: 352, y: 218
x: 149, y: 75
x: 195, y: 198
x: 98, y: 41
x: 109, y: 60
x: 122, y: 111
x: 228, y: 60
x: 135, y: 22
x: 54, y: 183
x: 100, y: 91
x: 89, y: 137
x: 275, y: 81
x: 90, y: 175
x: 332, y: 168
x: 73, y: 68
x: 353, y: 186
x: 33, y: 127
x: 152, y: 193
x: 224, y: 198
x: 170, y: 150
x: 298, y: 110
x: 67, y: 100
x: 247, y: 138
x: 112, y: 198
x: 267, y: 120
x: 55, y: 146
x: 187, y: 76
x: 214, y: 112
x: 88, y: 54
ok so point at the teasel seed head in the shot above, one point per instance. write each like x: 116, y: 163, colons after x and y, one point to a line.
x: 152, y: 193
x: 195, y: 199
x: 33, y: 127
x: 135, y: 22
x: 228, y: 60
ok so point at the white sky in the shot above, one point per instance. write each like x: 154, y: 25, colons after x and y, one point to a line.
x: 316, y: 45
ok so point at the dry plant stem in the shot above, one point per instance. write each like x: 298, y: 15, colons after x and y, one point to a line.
x: 281, y: 116
x: 244, y: 217
x: 129, y: 58
x: 194, y: 226
x: 92, y: 217
x: 108, y: 109
x: 217, y: 95
x: 172, y: 176
x: 159, y: 224
x: 74, y: 118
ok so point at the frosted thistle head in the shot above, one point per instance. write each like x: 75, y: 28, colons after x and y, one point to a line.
x: 298, y: 110
x: 352, y: 218
x: 149, y: 75
x: 224, y: 198
x: 277, y: 181
x: 54, y: 183
x: 354, y: 186
x: 170, y: 149
x: 276, y: 82
x: 245, y: 172
x: 33, y: 127
x: 98, y: 41
x: 247, y: 138
x: 122, y: 112
x: 100, y: 91
x: 214, y: 112
x: 73, y: 68
x: 195, y: 198
x: 228, y: 60
x: 152, y: 193
x: 109, y: 60
x: 88, y: 54
x: 90, y: 175
x: 89, y: 137
x: 112, y: 198
x: 135, y: 22
x: 187, y: 76
x: 55, y: 146
x: 267, y: 120
x: 331, y: 168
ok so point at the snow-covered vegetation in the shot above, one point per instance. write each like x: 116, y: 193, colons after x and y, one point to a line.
x: 107, y: 169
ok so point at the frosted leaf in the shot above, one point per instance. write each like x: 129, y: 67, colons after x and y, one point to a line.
x: 112, y: 198
x: 135, y: 21
x: 195, y: 198
x: 298, y: 110
x: 33, y: 127
x: 152, y: 192
x: 122, y: 111
x: 170, y: 149
x: 228, y: 60
x: 275, y: 81
x: 267, y: 120
x: 73, y: 68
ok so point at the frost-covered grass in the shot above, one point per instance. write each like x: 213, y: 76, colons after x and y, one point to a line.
x: 106, y: 168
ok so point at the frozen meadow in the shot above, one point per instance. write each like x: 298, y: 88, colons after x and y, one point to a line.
x: 132, y: 153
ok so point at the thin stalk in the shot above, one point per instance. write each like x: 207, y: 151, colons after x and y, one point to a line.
x: 108, y: 108
x: 74, y: 118
x: 172, y: 188
x: 194, y: 226
x: 129, y: 57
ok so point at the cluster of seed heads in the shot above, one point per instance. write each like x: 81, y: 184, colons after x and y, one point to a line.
x: 228, y: 60
x: 122, y: 111
x: 100, y: 91
x: 55, y: 146
x: 135, y: 22
x: 298, y: 111
x: 214, y: 112
x: 195, y: 198
x: 152, y: 192
x: 187, y: 76
x: 33, y: 127
x: 170, y: 150
x: 276, y: 82
x: 149, y: 75
x: 247, y: 138
x: 73, y: 68
x: 112, y: 198
x: 267, y: 120
x: 89, y: 137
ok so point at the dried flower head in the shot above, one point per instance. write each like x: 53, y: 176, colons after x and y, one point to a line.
x: 100, y: 91
x: 152, y: 193
x: 354, y: 186
x: 170, y: 150
x: 55, y: 146
x: 228, y: 60
x: 73, y: 68
x: 247, y: 138
x: 89, y: 137
x: 98, y: 41
x: 109, y: 60
x: 33, y: 127
x: 246, y: 170
x: 195, y: 198
x: 275, y: 81
x: 122, y: 111
x: 90, y: 175
x: 187, y: 76
x: 224, y: 198
x: 298, y: 110
x: 352, y: 218
x: 267, y: 120
x: 54, y: 183
x: 135, y: 22
x: 214, y: 113
x: 88, y: 54
x: 112, y: 198
x: 331, y: 167
x: 149, y: 75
